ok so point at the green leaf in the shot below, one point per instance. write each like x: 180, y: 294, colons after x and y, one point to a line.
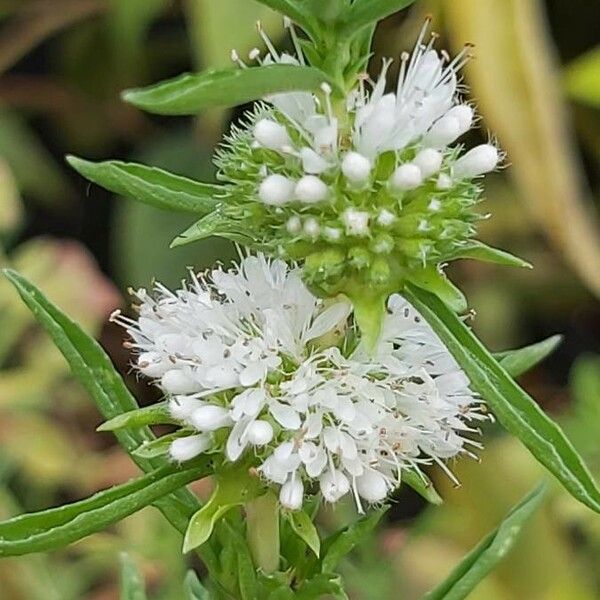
x: 480, y: 251
x: 513, y: 407
x: 216, y: 224
x: 326, y: 585
x: 160, y: 446
x: 94, y: 370
x: 150, y: 185
x: 432, y: 280
x: 246, y: 572
x: 156, y: 414
x: 489, y: 552
x: 57, y: 527
x: 422, y: 485
x: 305, y: 529
x: 132, y: 583
x: 262, y: 531
x: 581, y: 78
x: 193, y: 588
x: 366, y: 12
x: 517, y: 362
x: 297, y: 12
x: 190, y: 93
x: 233, y: 488
x: 336, y: 546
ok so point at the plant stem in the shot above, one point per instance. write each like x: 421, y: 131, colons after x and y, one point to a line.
x: 262, y: 531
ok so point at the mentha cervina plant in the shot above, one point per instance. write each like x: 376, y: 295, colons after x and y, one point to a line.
x: 331, y: 361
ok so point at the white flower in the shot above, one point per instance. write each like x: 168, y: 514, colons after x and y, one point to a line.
x: 243, y: 352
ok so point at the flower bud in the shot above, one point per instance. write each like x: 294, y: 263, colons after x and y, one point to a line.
x: 312, y: 162
x: 385, y: 218
x: 291, y: 494
x: 463, y: 113
x: 276, y: 190
x: 310, y: 189
x: 406, y: 177
x: 182, y: 407
x: 481, y: 159
x: 271, y: 135
x: 372, y: 486
x: 210, y: 417
x: 175, y: 381
x: 312, y: 227
x: 356, y: 167
x: 185, y: 448
x: 259, y: 433
x: 443, y: 132
x: 294, y: 225
x: 151, y: 364
x: 334, y: 485
x: 356, y: 222
x: 429, y: 162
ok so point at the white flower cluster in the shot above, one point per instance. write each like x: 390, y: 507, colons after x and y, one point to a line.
x: 255, y: 365
x: 418, y: 122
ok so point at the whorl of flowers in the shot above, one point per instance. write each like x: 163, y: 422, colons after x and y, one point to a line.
x: 255, y: 366
x: 367, y: 188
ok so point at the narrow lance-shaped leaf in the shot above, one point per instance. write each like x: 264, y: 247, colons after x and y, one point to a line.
x: 305, y: 529
x: 94, y: 370
x: 422, y: 485
x: 57, y: 527
x: 479, y: 251
x: 154, y: 414
x: 132, y: 582
x: 213, y: 224
x: 150, y: 185
x: 336, y: 546
x: 296, y: 12
x: 365, y: 12
x: 489, y: 552
x: 513, y: 407
x: 517, y: 362
x: 192, y: 92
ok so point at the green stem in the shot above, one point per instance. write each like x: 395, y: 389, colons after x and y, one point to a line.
x: 262, y: 531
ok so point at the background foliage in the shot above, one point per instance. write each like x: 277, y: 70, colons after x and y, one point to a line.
x: 62, y: 65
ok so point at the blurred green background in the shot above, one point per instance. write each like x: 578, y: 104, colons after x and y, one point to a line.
x: 536, y: 79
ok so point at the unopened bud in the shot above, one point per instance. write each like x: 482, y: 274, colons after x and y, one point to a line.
x: 276, y: 190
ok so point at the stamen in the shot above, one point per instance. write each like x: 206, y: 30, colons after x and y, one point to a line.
x: 235, y: 57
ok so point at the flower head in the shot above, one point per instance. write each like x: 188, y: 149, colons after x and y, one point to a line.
x: 367, y: 188
x: 255, y: 366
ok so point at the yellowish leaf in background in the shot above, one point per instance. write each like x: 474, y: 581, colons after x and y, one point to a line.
x: 517, y: 86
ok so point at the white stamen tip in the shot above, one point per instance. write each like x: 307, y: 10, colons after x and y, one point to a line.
x: 276, y: 190
x: 326, y: 88
x: 406, y: 177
